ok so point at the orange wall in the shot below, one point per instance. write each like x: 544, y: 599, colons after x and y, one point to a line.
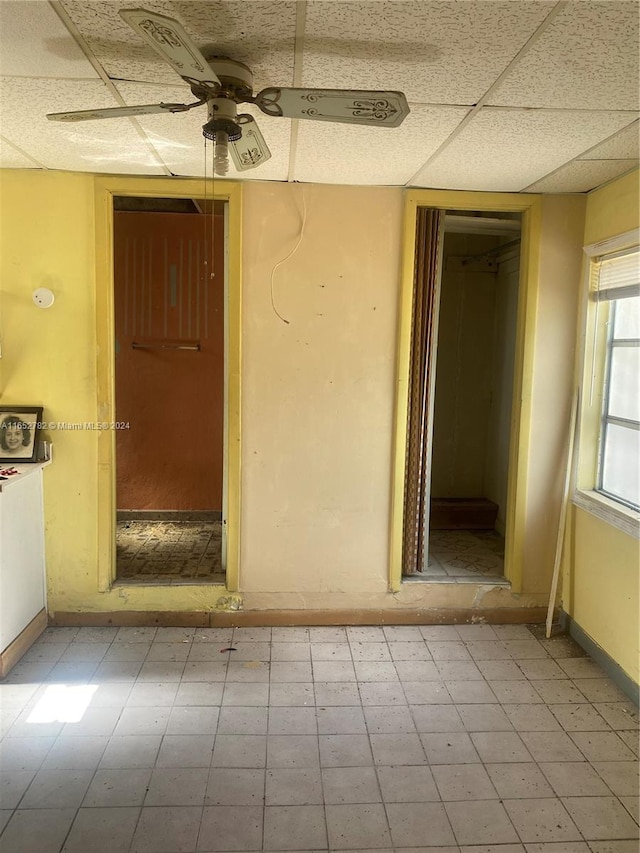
x: 170, y: 457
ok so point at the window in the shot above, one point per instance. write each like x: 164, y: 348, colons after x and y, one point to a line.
x: 618, y: 297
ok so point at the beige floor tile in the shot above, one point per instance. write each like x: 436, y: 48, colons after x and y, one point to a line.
x: 602, y: 746
x: 407, y: 784
x: 542, y: 820
x: 463, y: 782
x: 344, y: 785
x: 576, y: 718
x: 389, y: 720
x: 620, y: 776
x: 248, y: 751
x: 231, y: 828
x: 112, y: 788
x: 436, y: 718
x: 345, y: 751
x: 352, y: 827
x: 484, y: 718
x: 530, y: 743
x: 415, y: 824
x: 102, y: 830
x: 289, y: 786
x: 293, y: 750
x: 621, y: 716
x: 601, y: 818
x: 481, y: 822
x: 551, y: 746
x: 235, y: 787
x: 177, y: 787
x: 345, y: 720
x: 162, y: 828
x: 574, y: 779
x: 294, y: 827
x: 519, y: 781
x: 454, y: 748
x: 500, y: 746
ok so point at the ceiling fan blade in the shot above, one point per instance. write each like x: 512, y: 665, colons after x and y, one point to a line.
x: 250, y: 150
x: 120, y: 112
x: 169, y: 39
x: 352, y: 106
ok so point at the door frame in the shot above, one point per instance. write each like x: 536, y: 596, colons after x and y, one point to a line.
x: 231, y: 193
x: 530, y: 207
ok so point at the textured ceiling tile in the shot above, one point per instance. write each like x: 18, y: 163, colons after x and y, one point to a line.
x: 510, y: 149
x: 35, y: 43
x: 179, y: 141
x: 587, y: 59
x: 348, y: 154
x: 12, y: 158
x: 623, y: 146
x: 582, y: 176
x: 260, y: 34
x: 88, y: 146
x: 436, y: 52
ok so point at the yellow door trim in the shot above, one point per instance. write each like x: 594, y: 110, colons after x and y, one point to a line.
x: 105, y: 189
x: 530, y: 207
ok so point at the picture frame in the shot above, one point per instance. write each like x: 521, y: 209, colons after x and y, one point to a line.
x: 19, y: 428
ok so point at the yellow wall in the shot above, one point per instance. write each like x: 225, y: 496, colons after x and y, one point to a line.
x: 601, y: 563
x: 552, y: 388
x: 48, y: 356
x: 318, y: 391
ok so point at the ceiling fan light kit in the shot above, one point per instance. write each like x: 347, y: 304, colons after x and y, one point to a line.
x: 222, y: 83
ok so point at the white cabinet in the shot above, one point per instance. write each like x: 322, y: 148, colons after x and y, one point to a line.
x: 23, y: 595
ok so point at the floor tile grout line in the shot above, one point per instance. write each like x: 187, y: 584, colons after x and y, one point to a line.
x: 564, y: 679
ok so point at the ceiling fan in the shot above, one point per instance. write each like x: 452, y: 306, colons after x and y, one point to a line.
x: 222, y: 83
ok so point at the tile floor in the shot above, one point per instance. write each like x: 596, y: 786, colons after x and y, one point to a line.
x: 465, y: 556
x: 446, y: 739
x: 173, y: 552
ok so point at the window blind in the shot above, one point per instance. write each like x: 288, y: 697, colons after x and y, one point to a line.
x: 618, y: 275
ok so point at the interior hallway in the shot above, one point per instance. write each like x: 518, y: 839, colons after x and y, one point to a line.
x: 362, y: 738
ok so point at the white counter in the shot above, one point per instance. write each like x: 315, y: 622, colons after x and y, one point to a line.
x: 23, y: 589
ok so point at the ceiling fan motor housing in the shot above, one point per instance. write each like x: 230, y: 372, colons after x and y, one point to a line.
x: 235, y: 77
x: 236, y: 86
x: 222, y: 117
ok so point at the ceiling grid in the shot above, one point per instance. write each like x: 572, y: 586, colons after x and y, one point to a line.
x: 527, y: 96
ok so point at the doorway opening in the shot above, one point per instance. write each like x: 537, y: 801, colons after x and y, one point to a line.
x: 170, y: 306
x: 473, y: 354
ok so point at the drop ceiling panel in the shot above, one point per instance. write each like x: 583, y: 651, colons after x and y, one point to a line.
x: 582, y: 176
x: 586, y: 59
x: 35, y: 43
x: 435, y: 52
x: 179, y: 141
x: 260, y: 34
x: 624, y: 145
x: 348, y: 154
x: 90, y: 146
x: 13, y: 158
x: 507, y: 150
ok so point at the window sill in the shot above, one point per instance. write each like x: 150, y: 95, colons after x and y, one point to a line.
x: 619, y: 516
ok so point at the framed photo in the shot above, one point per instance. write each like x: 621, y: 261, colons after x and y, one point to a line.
x: 19, y: 427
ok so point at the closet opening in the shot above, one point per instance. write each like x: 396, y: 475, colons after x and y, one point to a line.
x: 476, y: 339
x: 461, y: 414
